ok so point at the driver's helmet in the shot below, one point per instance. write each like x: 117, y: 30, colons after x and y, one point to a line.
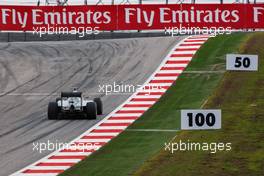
x: 75, y: 89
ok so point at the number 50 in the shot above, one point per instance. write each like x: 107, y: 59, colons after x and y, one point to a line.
x: 245, y: 62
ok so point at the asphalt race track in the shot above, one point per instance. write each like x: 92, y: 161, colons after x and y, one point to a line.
x: 34, y: 73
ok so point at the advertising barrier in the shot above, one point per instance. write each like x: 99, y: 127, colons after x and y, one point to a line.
x: 132, y: 17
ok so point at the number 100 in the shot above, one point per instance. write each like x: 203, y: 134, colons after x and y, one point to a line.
x: 200, y: 119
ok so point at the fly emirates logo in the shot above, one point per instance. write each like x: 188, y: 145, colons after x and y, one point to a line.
x: 170, y: 16
x: 40, y: 17
x: 125, y: 16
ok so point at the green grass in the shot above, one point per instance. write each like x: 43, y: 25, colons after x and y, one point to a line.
x: 241, y: 98
x: 131, y: 149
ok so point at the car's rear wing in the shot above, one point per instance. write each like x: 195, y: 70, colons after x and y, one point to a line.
x: 71, y: 94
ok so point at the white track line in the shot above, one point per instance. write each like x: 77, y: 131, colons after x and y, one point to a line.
x: 50, y: 167
x: 103, y: 134
x: 135, y: 108
x: 63, y: 161
x: 46, y: 174
x: 124, y: 115
x: 119, y: 121
x: 193, y: 42
x: 94, y: 140
x: 166, y: 78
x: 111, y: 127
x: 73, y: 153
x: 170, y: 71
x: 152, y: 130
x: 127, y: 115
x: 142, y: 102
x: 147, y: 96
x: 175, y: 65
x: 187, y: 47
x: 184, y: 52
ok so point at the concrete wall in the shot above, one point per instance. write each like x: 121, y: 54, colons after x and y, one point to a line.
x: 19, y: 37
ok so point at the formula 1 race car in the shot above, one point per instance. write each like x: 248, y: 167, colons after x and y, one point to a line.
x: 73, y: 104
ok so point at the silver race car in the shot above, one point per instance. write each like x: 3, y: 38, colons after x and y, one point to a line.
x: 73, y: 104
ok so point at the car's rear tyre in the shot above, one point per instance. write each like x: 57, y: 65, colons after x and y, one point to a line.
x: 53, y: 111
x: 99, y: 105
x: 91, y: 110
